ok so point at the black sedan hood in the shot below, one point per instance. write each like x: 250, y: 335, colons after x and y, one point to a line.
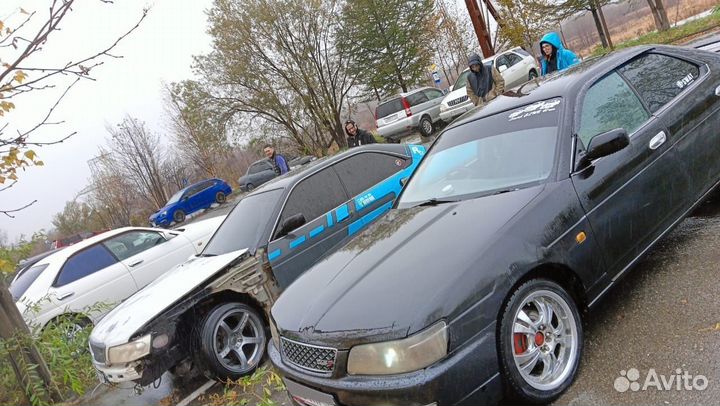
x: 401, y: 274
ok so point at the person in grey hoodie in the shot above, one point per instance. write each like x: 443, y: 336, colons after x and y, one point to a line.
x: 484, y: 81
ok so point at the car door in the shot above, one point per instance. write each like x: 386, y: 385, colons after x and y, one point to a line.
x: 631, y: 196
x: 681, y: 93
x: 435, y: 97
x: 90, y: 277
x: 267, y: 171
x: 148, y: 254
x: 206, y: 194
x: 320, y: 198
x: 502, y: 64
x: 518, y: 73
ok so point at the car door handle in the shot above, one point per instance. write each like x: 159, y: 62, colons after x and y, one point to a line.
x: 658, y: 140
x: 136, y: 263
x: 717, y: 91
x: 63, y: 296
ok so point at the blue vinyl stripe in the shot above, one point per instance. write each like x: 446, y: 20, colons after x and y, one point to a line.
x: 329, y: 220
x: 297, y: 242
x: 316, y: 231
x: 274, y: 255
x: 342, y: 213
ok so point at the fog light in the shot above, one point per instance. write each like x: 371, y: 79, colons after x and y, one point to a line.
x: 160, y: 341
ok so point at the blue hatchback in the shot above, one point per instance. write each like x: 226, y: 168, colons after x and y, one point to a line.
x: 195, y: 197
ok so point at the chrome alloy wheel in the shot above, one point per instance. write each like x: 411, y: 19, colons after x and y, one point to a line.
x: 239, y: 341
x: 544, y: 340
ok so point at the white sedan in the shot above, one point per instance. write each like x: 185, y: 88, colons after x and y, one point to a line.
x: 106, y: 268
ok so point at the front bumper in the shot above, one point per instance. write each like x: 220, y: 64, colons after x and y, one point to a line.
x: 455, y: 111
x: 119, y: 373
x: 468, y: 376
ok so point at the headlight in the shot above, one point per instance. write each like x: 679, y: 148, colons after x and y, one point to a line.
x: 163, y: 213
x: 443, y: 107
x: 395, y: 357
x: 122, y: 354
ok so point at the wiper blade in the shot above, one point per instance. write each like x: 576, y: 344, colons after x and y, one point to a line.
x: 435, y: 201
x: 207, y: 255
x: 499, y: 192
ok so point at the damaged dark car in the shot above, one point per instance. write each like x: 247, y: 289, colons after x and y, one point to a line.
x: 522, y: 215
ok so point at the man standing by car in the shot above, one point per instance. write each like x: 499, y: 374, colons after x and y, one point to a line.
x: 356, y: 136
x: 278, y: 161
x: 554, y: 56
x: 484, y: 81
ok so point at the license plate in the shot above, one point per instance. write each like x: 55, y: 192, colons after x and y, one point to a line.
x: 308, y: 396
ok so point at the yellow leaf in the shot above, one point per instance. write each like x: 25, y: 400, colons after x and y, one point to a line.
x: 20, y: 76
x: 2, y: 179
x: 7, y: 106
x: 12, y: 176
x: 1, y: 25
x: 39, y: 163
x: 30, y: 154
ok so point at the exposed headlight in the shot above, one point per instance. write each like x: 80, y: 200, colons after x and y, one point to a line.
x: 122, y: 354
x: 396, y: 357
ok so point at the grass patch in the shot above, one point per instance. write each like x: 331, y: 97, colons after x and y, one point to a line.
x: 671, y: 36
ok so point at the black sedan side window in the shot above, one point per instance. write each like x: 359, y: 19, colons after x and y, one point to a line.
x: 610, y: 104
x: 659, y: 78
x: 314, y: 196
x: 361, y: 172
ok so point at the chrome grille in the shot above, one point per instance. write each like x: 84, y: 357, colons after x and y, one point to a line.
x: 457, y: 101
x: 310, y: 357
x: 98, y: 352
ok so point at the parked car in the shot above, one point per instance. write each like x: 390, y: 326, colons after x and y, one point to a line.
x: 258, y: 173
x: 196, y: 197
x: 106, y: 268
x: 296, y: 163
x: 212, y: 309
x: 516, y: 66
x: 25, y: 264
x: 521, y: 215
x: 407, y: 113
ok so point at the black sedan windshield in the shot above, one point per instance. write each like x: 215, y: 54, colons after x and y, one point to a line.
x: 244, y: 225
x: 507, y: 151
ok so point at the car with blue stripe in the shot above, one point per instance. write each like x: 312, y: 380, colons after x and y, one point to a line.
x: 211, y: 311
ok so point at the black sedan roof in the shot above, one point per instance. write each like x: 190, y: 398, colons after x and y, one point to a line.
x: 566, y: 84
x: 292, y: 177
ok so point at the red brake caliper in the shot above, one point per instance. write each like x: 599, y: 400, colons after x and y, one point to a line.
x: 520, y: 341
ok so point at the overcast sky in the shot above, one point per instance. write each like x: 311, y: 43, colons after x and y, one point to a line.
x: 159, y: 51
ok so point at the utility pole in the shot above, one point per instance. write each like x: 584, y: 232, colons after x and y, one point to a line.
x: 481, y: 28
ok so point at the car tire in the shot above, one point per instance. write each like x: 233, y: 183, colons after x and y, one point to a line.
x: 220, y: 197
x: 232, y: 341
x: 426, y: 126
x: 540, y: 341
x: 249, y: 187
x: 179, y: 216
x: 532, y: 75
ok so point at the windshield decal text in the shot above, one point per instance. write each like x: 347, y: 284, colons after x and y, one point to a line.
x: 534, y: 109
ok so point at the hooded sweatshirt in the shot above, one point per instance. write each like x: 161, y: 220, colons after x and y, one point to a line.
x: 563, y: 58
x: 480, y: 82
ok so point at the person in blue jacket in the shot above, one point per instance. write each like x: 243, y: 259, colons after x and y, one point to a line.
x: 554, y: 56
x: 278, y: 161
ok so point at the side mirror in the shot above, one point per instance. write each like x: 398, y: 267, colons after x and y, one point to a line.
x: 604, y: 144
x: 291, y: 223
x: 502, y: 68
x: 403, y: 181
x: 185, y: 198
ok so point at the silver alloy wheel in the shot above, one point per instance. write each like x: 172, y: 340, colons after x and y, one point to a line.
x: 544, y: 340
x: 427, y: 127
x: 238, y: 341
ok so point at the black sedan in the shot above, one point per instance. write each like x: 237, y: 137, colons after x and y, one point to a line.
x: 523, y: 214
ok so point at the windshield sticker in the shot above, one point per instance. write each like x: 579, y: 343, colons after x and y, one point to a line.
x: 685, y: 81
x: 534, y: 109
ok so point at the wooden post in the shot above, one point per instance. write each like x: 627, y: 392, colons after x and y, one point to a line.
x: 481, y: 30
x: 12, y: 326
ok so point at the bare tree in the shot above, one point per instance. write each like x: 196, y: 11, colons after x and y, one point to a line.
x: 136, y: 154
x: 657, y: 7
x: 23, y: 34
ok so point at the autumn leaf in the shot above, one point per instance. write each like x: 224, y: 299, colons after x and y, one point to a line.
x: 30, y: 154
x: 7, y: 106
x: 2, y: 179
x: 13, y: 176
x: 20, y: 76
x: 2, y: 25
x: 39, y: 163
x: 22, y: 11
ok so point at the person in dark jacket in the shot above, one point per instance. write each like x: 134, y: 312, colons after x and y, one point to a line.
x: 356, y: 136
x: 484, y: 82
x: 278, y: 161
x: 554, y: 55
